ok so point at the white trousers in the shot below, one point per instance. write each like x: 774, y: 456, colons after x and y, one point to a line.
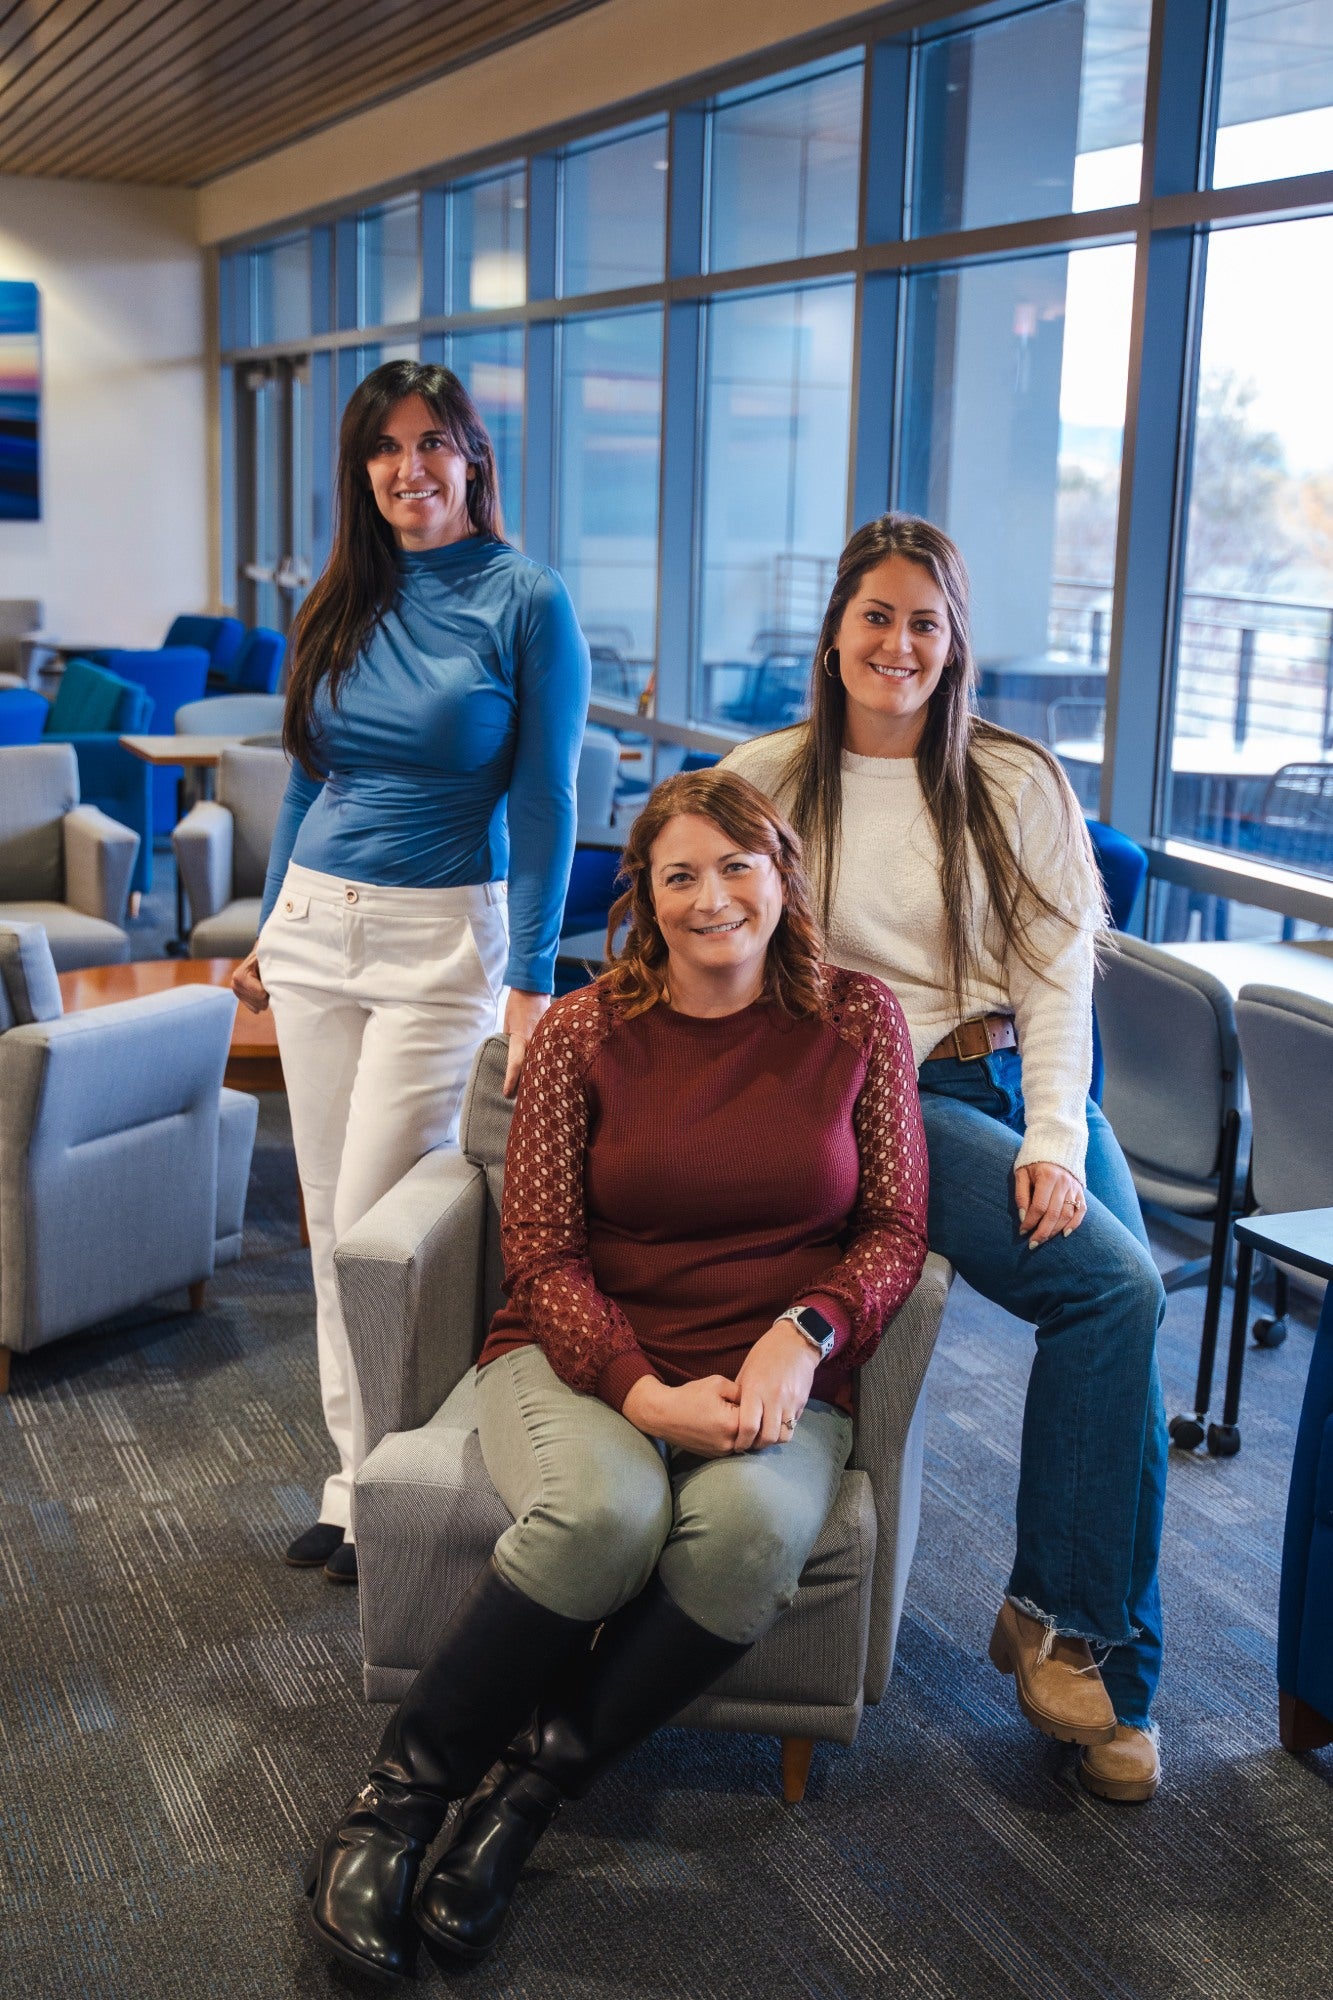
x: 380, y: 998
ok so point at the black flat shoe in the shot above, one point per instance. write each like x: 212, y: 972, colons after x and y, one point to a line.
x: 358, y: 1886
x: 341, y: 1565
x: 313, y: 1549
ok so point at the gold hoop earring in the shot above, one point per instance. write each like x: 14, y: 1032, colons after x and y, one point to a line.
x: 834, y: 671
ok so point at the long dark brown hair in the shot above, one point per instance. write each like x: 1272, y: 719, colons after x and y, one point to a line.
x: 794, y: 977
x: 360, y: 580
x: 960, y: 797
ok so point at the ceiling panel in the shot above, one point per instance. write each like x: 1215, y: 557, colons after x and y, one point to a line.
x: 174, y: 92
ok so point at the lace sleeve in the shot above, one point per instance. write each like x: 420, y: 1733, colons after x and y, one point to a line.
x: 543, y: 1225
x: 886, y: 1231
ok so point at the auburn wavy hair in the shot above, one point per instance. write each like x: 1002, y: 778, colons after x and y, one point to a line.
x: 637, y: 978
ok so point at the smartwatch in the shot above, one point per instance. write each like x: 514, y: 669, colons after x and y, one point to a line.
x: 820, y: 1332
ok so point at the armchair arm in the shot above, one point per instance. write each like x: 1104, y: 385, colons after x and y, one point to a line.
x: 410, y: 1278
x: 888, y: 1449
x: 99, y: 860
x: 99, y: 1112
x: 203, y: 843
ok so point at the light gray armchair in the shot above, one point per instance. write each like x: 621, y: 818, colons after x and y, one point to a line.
x: 222, y: 846
x: 420, y: 1277
x: 64, y: 866
x: 100, y: 1112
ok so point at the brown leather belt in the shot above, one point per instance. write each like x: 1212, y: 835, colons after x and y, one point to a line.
x: 984, y: 1035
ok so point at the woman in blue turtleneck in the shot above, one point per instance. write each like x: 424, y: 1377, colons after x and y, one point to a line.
x: 438, y: 692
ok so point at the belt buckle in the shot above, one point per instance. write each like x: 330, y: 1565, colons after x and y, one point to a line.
x: 977, y: 1020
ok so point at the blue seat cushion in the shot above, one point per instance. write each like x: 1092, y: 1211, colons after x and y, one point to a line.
x: 90, y: 700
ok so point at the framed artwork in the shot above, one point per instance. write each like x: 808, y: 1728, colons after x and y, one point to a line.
x: 20, y: 401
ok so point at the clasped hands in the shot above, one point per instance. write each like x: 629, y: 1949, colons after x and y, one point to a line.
x: 715, y: 1417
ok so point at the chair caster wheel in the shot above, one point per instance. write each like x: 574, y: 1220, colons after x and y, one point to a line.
x: 1187, y: 1432
x: 1270, y: 1332
x: 1224, y: 1440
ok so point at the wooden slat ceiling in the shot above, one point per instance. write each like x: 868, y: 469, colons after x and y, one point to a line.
x: 174, y: 92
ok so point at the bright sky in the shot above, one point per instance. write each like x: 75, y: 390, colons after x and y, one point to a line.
x: 1268, y: 306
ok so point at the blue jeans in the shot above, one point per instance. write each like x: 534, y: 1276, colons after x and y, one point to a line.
x: 1092, y: 1477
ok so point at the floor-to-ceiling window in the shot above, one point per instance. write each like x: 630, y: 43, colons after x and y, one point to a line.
x: 1058, y: 278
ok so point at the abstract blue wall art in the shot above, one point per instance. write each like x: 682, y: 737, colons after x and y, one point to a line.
x: 20, y: 390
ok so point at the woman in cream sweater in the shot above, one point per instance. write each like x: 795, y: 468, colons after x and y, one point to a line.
x: 953, y: 863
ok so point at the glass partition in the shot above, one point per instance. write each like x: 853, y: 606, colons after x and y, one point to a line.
x: 488, y: 242
x: 613, y: 212
x: 489, y: 363
x: 785, y: 166
x: 1275, y: 108
x: 388, y: 263
x: 282, y: 290
x: 1036, y: 115
x: 607, y: 486
x: 773, y: 513
x: 1253, y: 709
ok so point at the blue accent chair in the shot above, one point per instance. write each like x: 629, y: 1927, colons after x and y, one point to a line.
x: 1123, y: 864
x: 171, y: 676
x: 22, y: 715
x: 259, y: 664
x: 221, y: 638
x: 92, y: 710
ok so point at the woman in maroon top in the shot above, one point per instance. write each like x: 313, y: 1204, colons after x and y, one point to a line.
x: 715, y: 1200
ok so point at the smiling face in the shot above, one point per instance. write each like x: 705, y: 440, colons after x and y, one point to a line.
x: 418, y: 479
x: 893, y: 645
x: 716, y: 907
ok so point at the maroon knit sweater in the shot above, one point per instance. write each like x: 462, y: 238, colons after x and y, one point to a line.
x: 673, y: 1184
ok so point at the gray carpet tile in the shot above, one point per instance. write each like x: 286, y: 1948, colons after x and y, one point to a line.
x: 180, y: 1715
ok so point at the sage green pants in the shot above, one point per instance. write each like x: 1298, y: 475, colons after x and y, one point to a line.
x: 598, y: 1506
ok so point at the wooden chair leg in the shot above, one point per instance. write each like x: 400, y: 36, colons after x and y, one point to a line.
x: 1300, y: 1726
x: 796, y: 1754
x: 197, y: 1291
x: 4, y: 1371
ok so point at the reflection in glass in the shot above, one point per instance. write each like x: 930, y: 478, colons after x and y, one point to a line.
x: 613, y: 212
x: 490, y: 366
x: 777, y: 418
x: 1040, y: 114
x: 606, y: 542
x: 785, y: 166
x: 1253, y: 722
x: 1012, y: 440
x: 488, y: 243
x: 1275, y: 111
x: 388, y: 263
x: 282, y: 290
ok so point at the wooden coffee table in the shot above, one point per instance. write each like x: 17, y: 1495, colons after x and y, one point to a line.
x: 253, y: 1063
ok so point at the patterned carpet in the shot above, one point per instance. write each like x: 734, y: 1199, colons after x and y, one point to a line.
x: 180, y: 1715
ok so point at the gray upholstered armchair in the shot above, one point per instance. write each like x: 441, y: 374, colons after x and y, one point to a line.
x: 420, y: 1278
x: 64, y: 866
x: 99, y: 1113
x: 222, y: 849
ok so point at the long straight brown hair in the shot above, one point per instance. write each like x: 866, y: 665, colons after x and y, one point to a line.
x: 959, y: 795
x: 360, y: 580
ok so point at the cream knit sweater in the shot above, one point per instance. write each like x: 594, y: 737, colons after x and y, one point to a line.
x: 888, y: 919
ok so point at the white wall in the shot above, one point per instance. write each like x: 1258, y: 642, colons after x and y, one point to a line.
x: 122, y: 544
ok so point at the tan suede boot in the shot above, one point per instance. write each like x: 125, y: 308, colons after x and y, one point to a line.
x: 1059, y: 1688
x: 1127, y: 1769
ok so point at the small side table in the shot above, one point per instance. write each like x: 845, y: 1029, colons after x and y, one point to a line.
x: 198, y: 758
x: 1305, y: 1602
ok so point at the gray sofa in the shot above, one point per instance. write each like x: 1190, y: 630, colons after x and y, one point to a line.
x: 419, y: 1278
x: 123, y: 1160
x: 63, y: 865
x: 221, y: 848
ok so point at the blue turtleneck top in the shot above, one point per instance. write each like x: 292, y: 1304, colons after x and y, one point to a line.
x: 452, y: 752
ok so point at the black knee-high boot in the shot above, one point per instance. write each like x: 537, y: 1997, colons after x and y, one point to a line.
x: 649, y: 1661
x: 497, y: 1658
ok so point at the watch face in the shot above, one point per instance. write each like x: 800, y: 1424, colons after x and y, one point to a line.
x: 819, y: 1329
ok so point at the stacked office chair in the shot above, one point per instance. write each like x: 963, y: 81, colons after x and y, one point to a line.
x: 1173, y: 1098
x: 420, y: 1278
x: 1286, y: 1040
x: 99, y: 1113
x: 222, y: 847
x: 64, y: 865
